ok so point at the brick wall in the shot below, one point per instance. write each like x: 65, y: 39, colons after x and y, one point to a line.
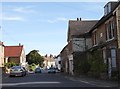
x: 14, y: 59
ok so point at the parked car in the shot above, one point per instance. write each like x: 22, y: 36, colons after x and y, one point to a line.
x: 51, y: 70
x: 17, y: 71
x: 38, y: 70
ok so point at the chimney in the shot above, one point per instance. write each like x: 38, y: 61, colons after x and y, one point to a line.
x: 77, y: 19
x: 19, y: 44
x: 80, y: 19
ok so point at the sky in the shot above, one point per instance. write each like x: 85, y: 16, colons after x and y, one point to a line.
x: 43, y: 26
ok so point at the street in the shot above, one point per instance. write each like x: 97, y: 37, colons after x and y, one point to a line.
x: 42, y: 80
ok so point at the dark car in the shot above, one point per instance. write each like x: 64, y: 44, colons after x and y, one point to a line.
x: 51, y: 70
x: 38, y: 70
x: 17, y: 71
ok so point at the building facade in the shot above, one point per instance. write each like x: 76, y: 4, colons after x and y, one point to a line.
x: 1, y: 54
x: 58, y: 62
x: 15, y: 54
x: 49, y: 61
x: 78, y: 41
x: 105, y: 36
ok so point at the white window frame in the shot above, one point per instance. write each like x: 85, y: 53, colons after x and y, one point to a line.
x: 113, y: 57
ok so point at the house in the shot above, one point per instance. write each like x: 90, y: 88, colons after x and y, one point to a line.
x: 106, y: 36
x: 58, y: 62
x: 64, y: 60
x: 78, y: 41
x: 49, y: 61
x: 15, y: 54
x: 1, y: 54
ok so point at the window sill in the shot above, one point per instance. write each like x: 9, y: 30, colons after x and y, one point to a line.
x: 110, y: 39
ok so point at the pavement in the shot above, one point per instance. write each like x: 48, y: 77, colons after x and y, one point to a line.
x: 94, y: 81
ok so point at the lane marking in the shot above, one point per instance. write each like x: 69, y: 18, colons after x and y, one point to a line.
x: 23, y: 83
x: 91, y: 82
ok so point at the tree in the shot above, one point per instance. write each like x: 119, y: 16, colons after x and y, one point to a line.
x: 34, y: 57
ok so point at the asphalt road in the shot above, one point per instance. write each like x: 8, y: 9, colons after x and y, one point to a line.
x: 42, y: 80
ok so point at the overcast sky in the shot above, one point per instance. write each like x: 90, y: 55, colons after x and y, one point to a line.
x: 43, y: 25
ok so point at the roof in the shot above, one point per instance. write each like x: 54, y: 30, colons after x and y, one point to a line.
x: 49, y: 59
x: 13, y: 51
x: 104, y: 18
x: 80, y: 27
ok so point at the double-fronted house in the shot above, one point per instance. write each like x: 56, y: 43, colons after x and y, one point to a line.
x: 49, y: 61
x: 15, y: 54
x: 106, y: 36
x: 1, y: 54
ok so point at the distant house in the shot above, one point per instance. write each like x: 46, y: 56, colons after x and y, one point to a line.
x: 58, y: 62
x: 49, y: 61
x: 1, y: 54
x: 64, y: 60
x: 15, y: 54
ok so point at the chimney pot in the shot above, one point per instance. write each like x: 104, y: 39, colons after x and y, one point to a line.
x: 80, y: 19
x: 19, y: 44
x: 77, y: 19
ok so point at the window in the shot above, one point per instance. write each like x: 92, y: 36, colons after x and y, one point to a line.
x: 113, y: 57
x: 107, y: 9
x: 110, y: 30
x: 113, y: 28
x: 94, y: 38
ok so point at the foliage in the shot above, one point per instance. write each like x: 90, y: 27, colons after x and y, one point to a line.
x: 81, y: 65
x: 97, y: 64
x: 32, y: 66
x: 34, y: 57
x: 10, y: 64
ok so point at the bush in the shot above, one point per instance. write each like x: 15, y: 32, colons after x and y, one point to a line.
x: 97, y: 64
x: 10, y: 64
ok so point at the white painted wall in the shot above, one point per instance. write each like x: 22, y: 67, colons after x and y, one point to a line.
x: 57, y: 63
x: 78, y: 44
x: 23, y: 58
x: 1, y: 56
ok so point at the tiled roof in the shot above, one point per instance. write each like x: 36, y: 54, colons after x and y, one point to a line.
x: 80, y: 27
x: 13, y: 51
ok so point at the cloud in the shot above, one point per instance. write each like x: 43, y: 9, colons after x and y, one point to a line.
x: 13, y: 18
x: 24, y: 9
x: 57, y: 20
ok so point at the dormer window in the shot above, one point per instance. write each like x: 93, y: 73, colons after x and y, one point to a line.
x: 109, y: 7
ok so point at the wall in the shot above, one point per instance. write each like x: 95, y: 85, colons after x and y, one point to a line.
x: 23, y: 57
x: 78, y: 44
x: 1, y: 55
x: 118, y: 24
x: 58, y: 62
x: 14, y: 59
